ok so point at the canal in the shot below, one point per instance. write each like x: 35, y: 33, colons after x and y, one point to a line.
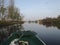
x: 49, y: 34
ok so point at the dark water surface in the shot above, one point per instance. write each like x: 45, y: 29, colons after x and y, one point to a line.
x: 50, y: 35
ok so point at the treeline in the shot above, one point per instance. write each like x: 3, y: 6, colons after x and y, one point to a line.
x: 50, y: 20
x: 10, y: 12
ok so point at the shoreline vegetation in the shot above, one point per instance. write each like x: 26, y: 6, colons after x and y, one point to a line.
x: 51, y: 22
x: 6, y: 23
x: 10, y: 14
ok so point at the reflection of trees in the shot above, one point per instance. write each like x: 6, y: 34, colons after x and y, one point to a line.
x: 48, y: 25
x: 15, y: 28
x: 57, y: 25
x: 54, y: 25
x: 51, y: 22
x: 5, y: 32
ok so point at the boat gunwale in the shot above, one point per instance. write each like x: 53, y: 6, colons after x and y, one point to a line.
x: 14, y: 34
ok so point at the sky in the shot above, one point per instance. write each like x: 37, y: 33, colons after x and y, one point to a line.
x: 38, y: 9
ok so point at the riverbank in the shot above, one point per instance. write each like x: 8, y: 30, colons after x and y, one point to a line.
x: 49, y: 20
x: 6, y: 23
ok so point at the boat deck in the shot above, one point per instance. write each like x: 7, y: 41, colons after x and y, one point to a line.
x: 32, y: 40
x: 28, y: 36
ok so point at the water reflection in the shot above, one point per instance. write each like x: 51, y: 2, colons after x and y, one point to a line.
x: 51, y: 35
x: 50, y: 25
x: 6, y: 31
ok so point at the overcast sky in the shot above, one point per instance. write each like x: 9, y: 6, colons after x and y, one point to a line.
x: 38, y: 9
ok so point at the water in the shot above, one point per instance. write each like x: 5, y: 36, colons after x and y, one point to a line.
x: 50, y: 35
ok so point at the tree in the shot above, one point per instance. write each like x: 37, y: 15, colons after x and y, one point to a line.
x: 59, y: 16
x: 14, y: 14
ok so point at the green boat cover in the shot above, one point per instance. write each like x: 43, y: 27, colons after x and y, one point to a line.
x: 27, y: 36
